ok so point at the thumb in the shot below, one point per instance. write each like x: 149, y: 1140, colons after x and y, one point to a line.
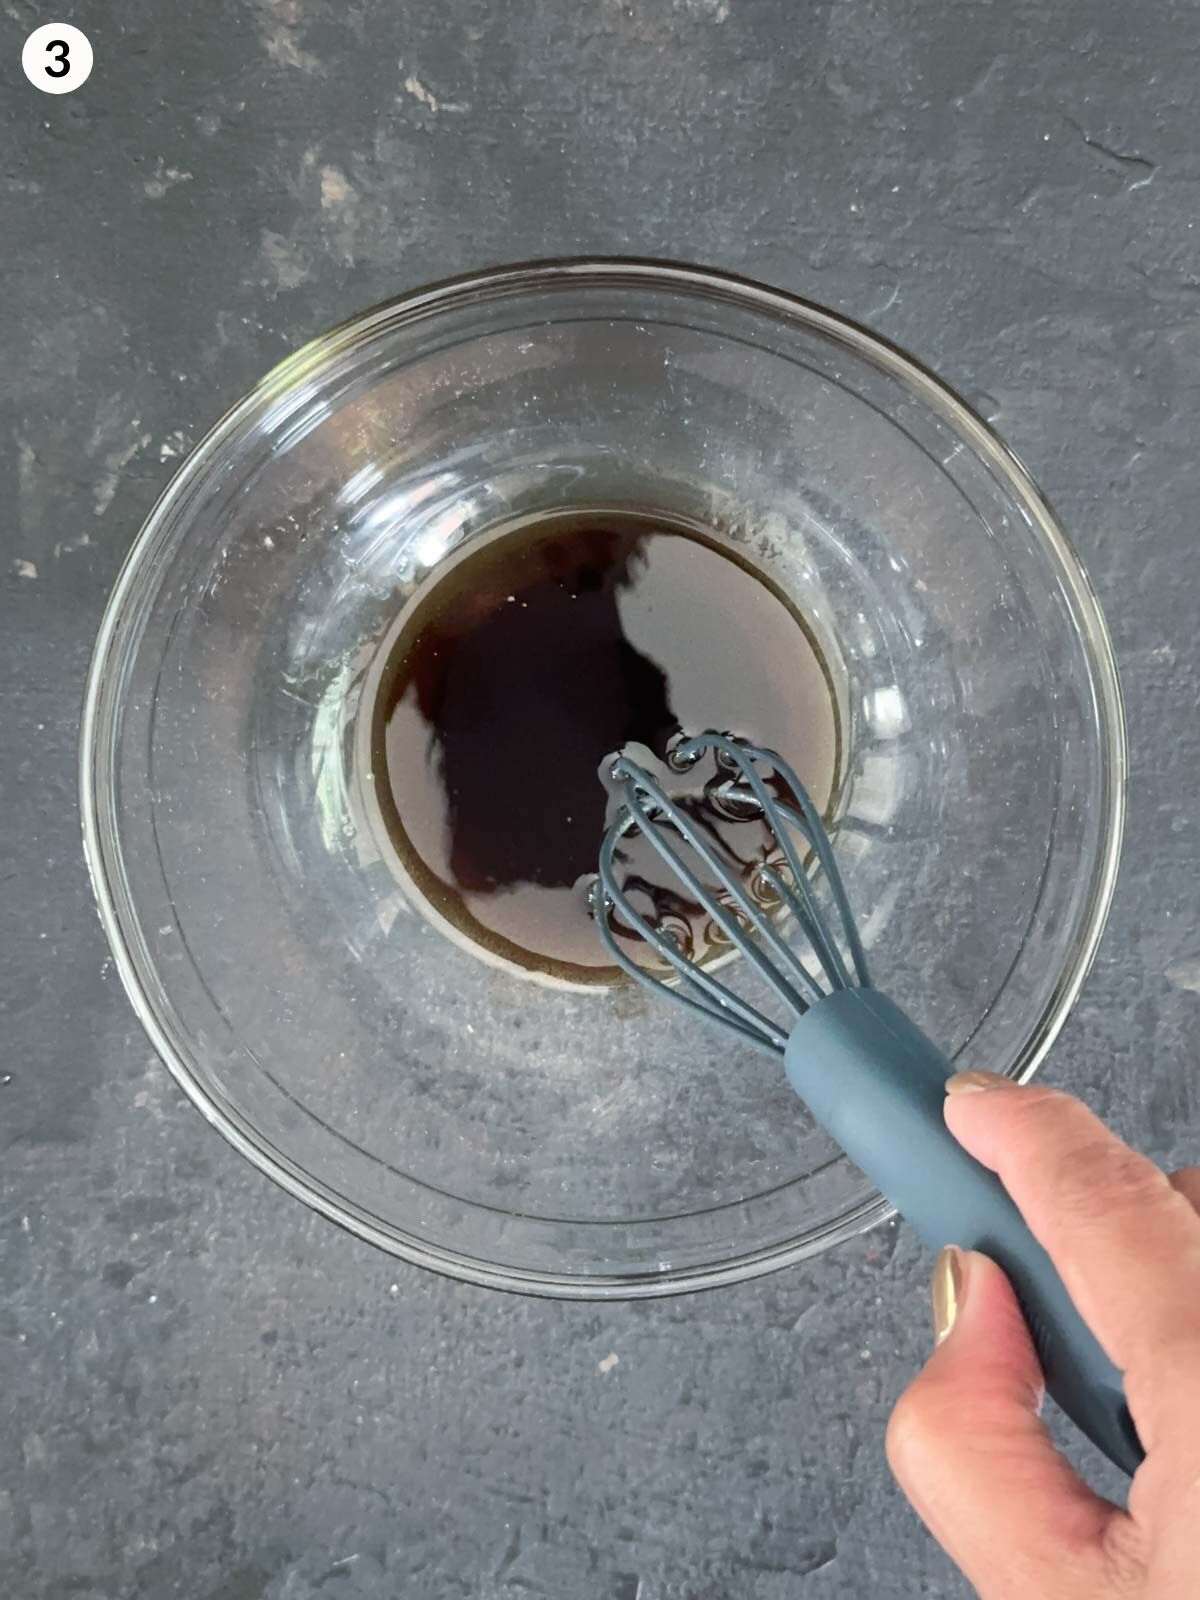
x: 970, y: 1451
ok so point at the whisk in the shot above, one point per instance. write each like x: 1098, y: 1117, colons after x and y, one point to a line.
x: 866, y: 1071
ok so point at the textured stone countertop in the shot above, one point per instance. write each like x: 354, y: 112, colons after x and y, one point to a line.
x: 205, y: 1391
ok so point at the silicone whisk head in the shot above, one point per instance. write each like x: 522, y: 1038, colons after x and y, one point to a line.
x: 757, y: 783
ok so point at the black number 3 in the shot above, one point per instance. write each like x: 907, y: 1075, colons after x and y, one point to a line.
x: 62, y: 59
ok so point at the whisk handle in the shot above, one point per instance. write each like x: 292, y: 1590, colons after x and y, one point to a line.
x: 876, y: 1083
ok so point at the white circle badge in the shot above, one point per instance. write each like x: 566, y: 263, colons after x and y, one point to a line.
x: 57, y: 58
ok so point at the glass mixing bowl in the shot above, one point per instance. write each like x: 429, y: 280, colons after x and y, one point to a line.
x: 594, y: 1143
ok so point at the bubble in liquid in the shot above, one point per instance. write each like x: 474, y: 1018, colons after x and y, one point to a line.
x: 764, y: 883
x: 679, y: 932
x: 678, y: 759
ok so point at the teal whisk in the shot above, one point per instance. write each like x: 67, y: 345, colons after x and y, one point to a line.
x: 868, y: 1074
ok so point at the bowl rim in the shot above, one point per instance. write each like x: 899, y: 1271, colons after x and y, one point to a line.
x: 284, y: 386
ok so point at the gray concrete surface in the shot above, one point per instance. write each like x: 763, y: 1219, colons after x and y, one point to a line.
x: 207, y: 1392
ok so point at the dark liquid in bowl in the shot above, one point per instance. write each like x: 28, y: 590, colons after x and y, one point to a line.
x: 530, y: 661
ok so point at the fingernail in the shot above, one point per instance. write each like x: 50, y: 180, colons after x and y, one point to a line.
x: 973, y: 1082
x: 949, y: 1281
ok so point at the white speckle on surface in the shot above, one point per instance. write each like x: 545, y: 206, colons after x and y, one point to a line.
x: 268, y: 542
x: 25, y: 569
x: 285, y: 262
x: 611, y: 1360
x: 26, y: 468
x: 417, y: 89
x: 1185, y: 975
x: 336, y: 188
x: 280, y: 20
x: 164, y: 178
x: 425, y: 95
x: 115, y: 461
x: 393, y: 1288
x: 173, y: 445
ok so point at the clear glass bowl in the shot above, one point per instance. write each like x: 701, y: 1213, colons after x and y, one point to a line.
x: 591, y: 1143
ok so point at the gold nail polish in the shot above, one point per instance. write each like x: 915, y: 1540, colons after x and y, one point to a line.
x: 974, y: 1082
x: 948, y: 1282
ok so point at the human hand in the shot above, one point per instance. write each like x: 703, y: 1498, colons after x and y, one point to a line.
x: 965, y: 1440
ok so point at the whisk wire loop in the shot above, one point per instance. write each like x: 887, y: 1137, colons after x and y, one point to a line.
x: 638, y: 782
x: 808, y: 821
x: 705, y: 993
x: 648, y: 811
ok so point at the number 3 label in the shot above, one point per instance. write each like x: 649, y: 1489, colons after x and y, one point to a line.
x: 57, y: 58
